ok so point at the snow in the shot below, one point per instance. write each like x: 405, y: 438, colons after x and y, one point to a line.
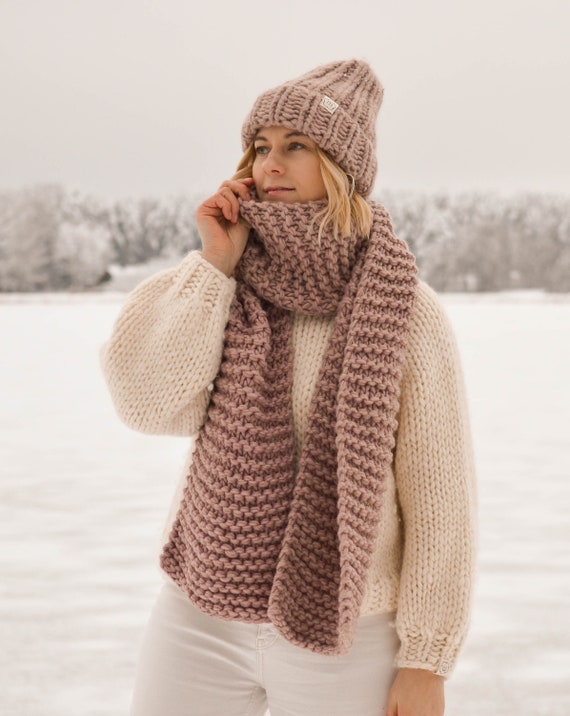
x: 83, y: 500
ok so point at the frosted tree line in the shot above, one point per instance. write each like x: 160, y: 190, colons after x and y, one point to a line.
x: 485, y: 241
x: 52, y: 239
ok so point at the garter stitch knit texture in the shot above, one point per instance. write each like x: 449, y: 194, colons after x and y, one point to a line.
x: 257, y: 536
x: 160, y: 362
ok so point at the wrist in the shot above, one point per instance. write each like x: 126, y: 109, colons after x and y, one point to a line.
x: 222, y: 265
x: 425, y: 674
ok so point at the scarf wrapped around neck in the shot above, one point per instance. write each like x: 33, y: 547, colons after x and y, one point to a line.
x: 258, y: 537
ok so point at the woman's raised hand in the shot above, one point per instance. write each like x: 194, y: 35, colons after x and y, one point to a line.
x: 222, y: 231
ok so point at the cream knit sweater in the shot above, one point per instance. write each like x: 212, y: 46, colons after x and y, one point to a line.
x: 164, y: 353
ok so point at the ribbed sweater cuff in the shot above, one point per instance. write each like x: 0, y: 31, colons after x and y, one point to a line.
x: 196, y: 275
x: 435, y: 652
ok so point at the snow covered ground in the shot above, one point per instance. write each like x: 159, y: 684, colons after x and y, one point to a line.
x: 83, y: 501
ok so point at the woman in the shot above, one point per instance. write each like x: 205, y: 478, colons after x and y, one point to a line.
x: 319, y: 555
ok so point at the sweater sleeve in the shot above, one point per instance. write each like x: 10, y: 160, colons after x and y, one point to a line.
x: 166, y: 347
x: 435, y: 478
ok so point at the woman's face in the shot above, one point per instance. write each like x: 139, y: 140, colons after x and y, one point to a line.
x: 286, y: 166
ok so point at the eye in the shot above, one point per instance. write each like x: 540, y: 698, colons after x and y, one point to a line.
x: 296, y: 145
x: 260, y: 149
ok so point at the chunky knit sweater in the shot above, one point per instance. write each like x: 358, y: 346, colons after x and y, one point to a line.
x: 161, y: 360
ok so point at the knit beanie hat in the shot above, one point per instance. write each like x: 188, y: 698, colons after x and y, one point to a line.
x: 336, y: 105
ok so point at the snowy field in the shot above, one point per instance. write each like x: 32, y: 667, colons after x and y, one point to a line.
x: 83, y: 500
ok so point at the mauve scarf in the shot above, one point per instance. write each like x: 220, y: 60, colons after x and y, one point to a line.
x: 256, y: 538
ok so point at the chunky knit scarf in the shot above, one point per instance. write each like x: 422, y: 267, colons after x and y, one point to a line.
x: 257, y: 537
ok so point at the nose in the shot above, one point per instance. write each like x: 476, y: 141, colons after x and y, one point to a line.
x: 272, y: 163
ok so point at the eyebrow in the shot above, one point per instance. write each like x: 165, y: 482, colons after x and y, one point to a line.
x: 287, y: 136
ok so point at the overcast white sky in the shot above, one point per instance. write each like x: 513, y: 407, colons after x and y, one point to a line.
x: 127, y: 97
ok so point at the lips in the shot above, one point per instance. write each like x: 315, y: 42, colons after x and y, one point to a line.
x: 277, y: 189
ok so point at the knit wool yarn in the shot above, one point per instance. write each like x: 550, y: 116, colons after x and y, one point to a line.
x: 336, y: 105
x: 257, y: 537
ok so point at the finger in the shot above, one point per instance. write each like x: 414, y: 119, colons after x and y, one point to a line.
x: 221, y: 203
x: 237, y: 188
x: 218, y: 206
x: 240, y: 187
x: 228, y: 194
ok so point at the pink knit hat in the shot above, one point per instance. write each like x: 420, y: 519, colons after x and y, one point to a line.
x: 336, y: 105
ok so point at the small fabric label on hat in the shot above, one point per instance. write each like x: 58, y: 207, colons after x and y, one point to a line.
x: 329, y: 104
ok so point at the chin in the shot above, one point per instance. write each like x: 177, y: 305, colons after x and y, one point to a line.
x: 282, y: 199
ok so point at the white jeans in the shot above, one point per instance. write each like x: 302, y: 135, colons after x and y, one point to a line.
x: 192, y: 664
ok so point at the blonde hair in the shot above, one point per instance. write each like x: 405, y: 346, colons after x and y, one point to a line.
x: 346, y: 212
